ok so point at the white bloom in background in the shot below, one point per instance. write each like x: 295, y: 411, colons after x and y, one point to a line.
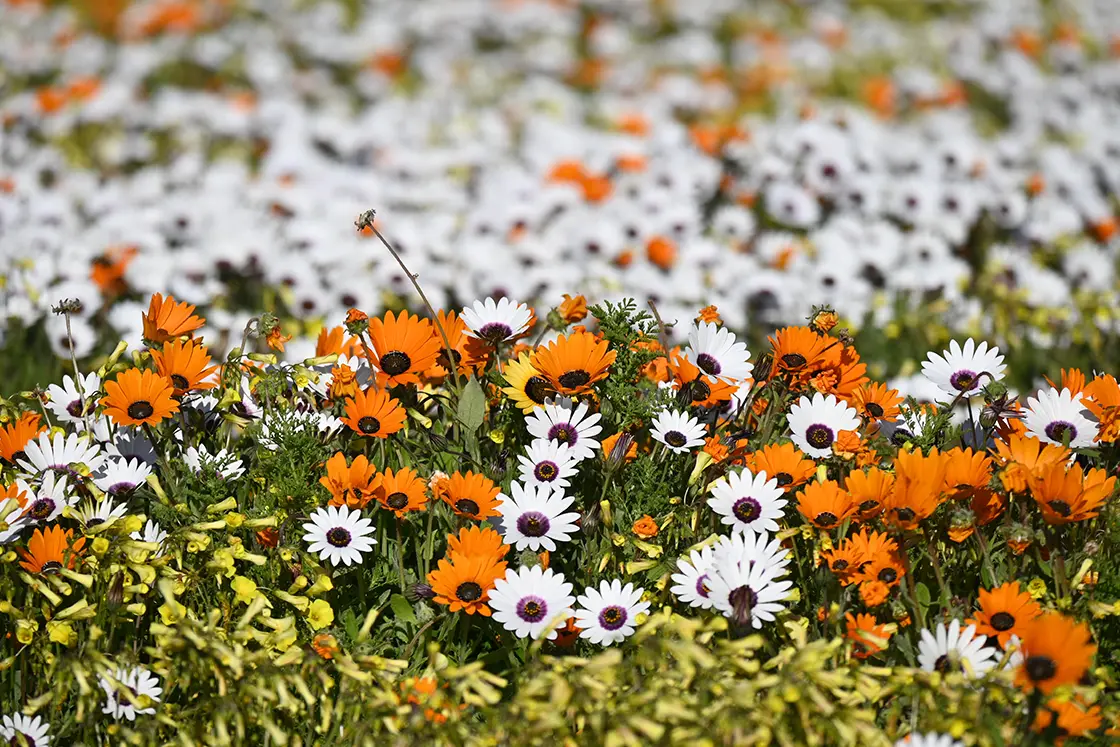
x: 815, y: 424
x: 66, y: 400
x: 59, y: 453
x: 140, y: 683
x: 713, y: 350
x: 46, y: 502
x: 744, y: 500
x: 152, y: 532
x: 691, y: 581
x: 35, y: 731
x: 533, y: 517
x: 745, y: 578
x: 532, y: 600
x: 1057, y: 417
x: 678, y: 431
x: 608, y: 615
x: 947, y: 648
x: 119, y: 477
x: 547, y: 463
x: 339, y: 535
x: 958, y: 371
x: 497, y: 322
x: 90, y: 514
x: 575, y: 428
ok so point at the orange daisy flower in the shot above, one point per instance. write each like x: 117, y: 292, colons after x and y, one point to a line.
x: 702, y: 391
x: 139, y: 397
x: 874, y: 545
x: 825, y: 504
x: 352, y: 485
x: 838, y: 371
x: 875, y: 401
x: 1065, y: 718
x: 51, y: 548
x: 1056, y: 651
x: 1072, y: 379
x: 885, y: 567
x: 374, y: 413
x: 470, y: 495
x: 167, y: 319
x: 966, y: 472
x: 184, y: 364
x: 573, y: 309
x: 1004, y: 611
x: 867, y: 636
x: 404, y: 347
x: 474, y: 541
x: 402, y: 492
x: 846, y: 562
x: 465, y: 582
x: 874, y: 593
x: 919, y: 481
x: 572, y: 363
x: 335, y: 341
x: 870, y: 490
x: 783, y: 462
x: 1068, y: 495
x: 14, y: 436
x: 797, y: 348
x: 1024, y: 457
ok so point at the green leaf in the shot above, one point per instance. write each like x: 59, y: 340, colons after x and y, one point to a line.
x: 402, y: 609
x: 921, y: 591
x: 472, y: 405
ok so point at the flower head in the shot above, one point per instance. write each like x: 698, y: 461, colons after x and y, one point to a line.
x: 339, y: 534
x: 138, y: 397
x: 608, y: 614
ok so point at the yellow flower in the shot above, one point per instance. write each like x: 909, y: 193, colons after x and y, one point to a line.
x: 100, y: 546
x: 320, y: 615
x: 62, y: 632
x: 235, y: 520
x: 223, y: 563
x: 25, y: 630
x: 131, y: 523
x: 172, y: 612
x: 1037, y: 588
x: 244, y: 588
x: 322, y: 584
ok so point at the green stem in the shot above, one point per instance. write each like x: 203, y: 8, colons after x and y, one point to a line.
x: 400, y: 556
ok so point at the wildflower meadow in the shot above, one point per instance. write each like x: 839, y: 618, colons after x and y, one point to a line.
x: 584, y: 372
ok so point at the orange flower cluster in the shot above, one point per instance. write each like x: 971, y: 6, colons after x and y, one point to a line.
x: 465, y: 577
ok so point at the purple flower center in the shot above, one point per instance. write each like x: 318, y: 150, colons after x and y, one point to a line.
x: 495, y: 332
x: 676, y: 439
x: 339, y: 537
x: 563, y: 433
x: 708, y: 364
x: 532, y: 609
x: 121, y: 488
x: 613, y: 617
x: 75, y: 408
x: 702, y: 586
x: 819, y: 436
x: 746, y: 510
x: 963, y: 380
x: 546, y: 471
x: 1059, y: 430
x: 533, y: 524
x: 41, y: 509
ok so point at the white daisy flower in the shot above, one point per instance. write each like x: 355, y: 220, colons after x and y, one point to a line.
x: 576, y: 428
x: 119, y: 477
x: 691, y: 582
x: 547, y: 463
x: 223, y: 463
x: 745, y: 578
x: 339, y: 535
x: 744, y: 500
x: 1055, y: 416
x: 66, y: 400
x: 47, y: 501
x: 533, y: 517
x: 59, y: 452
x: 531, y: 601
x: 497, y: 322
x: 679, y: 431
x: 152, y: 533
x: 91, y: 513
x: 608, y: 615
x: 713, y: 350
x: 131, y: 443
x: 816, y: 423
x: 140, y: 683
x: 950, y: 649
x: 929, y: 739
x: 35, y: 731
x: 957, y: 371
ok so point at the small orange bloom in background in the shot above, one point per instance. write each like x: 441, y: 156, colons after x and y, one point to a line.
x: 1104, y: 229
x: 83, y: 88
x: 645, y: 527
x: 374, y: 413
x: 268, y: 537
x: 1028, y: 41
x: 344, y: 382
x: 959, y: 533
x: 567, y: 171
x: 1057, y: 650
x: 350, y: 485
x: 879, y: 94
x: 1004, y: 612
x: 661, y: 252
x: 167, y: 319
x: 572, y: 363
x: 573, y: 309
x: 545, y: 559
x: 823, y: 321
x: 334, y: 341
x: 50, y: 99
x: 14, y: 436
x: 825, y: 505
x: 325, y: 645
x: 1035, y: 184
x: 630, y: 162
x: 709, y: 314
x: 50, y: 548
x: 595, y: 188
x: 276, y: 338
x: 848, y: 444
x: 567, y: 635
x: 401, y: 492
x: 108, y: 270
x: 867, y: 636
x: 874, y: 593
x: 633, y: 124
x: 184, y: 364
x: 139, y: 397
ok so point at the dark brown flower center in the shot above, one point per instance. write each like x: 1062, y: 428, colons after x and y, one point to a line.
x: 397, y: 501
x: 51, y: 566
x: 1060, y: 507
x: 676, y: 439
x: 794, y: 360
x: 369, y: 425
x: 783, y: 479
x: 395, y: 363
x: 905, y: 514
x: 826, y: 518
x: 819, y: 436
x: 868, y: 505
x: 1040, y: 668
x: 1002, y: 621
x: 874, y: 409
x: 699, y: 390
x: 468, y: 591
x: 466, y: 506
x: 840, y: 565
x: 945, y: 664
x: 179, y: 381
x: 888, y: 575
x: 538, y: 389
x: 574, y: 379
x: 140, y: 410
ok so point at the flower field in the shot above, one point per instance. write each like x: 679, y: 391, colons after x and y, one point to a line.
x: 559, y: 372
